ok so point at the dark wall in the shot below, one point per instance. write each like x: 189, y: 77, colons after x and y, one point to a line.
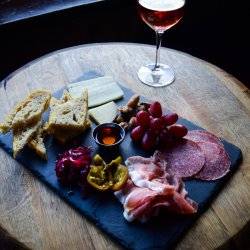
x: 214, y: 30
x: 218, y: 31
x: 25, y: 40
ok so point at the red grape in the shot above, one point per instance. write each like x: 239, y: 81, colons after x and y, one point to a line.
x: 148, y: 141
x: 137, y: 133
x: 178, y: 130
x: 143, y: 119
x: 170, y: 119
x: 165, y: 138
x: 156, y: 124
x: 155, y: 109
x: 152, y: 129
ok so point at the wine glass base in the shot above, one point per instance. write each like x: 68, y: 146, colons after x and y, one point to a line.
x: 160, y: 77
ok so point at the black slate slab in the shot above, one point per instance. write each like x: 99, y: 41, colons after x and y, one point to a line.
x: 104, y: 209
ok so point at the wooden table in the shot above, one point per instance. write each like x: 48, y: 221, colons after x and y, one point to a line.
x: 203, y: 93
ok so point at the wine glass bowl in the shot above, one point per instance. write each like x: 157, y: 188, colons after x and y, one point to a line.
x: 159, y: 15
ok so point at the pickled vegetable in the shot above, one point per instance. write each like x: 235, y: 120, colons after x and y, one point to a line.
x: 107, y: 176
x: 97, y: 160
x: 120, y: 177
x: 73, y: 165
x: 98, y: 178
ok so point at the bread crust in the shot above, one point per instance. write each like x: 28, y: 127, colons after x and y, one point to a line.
x: 37, y: 143
x: 27, y: 112
x: 71, y: 114
x: 68, y: 118
x: 22, y: 136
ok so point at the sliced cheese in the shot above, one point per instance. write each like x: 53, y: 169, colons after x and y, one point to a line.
x: 101, y: 90
x: 104, y: 113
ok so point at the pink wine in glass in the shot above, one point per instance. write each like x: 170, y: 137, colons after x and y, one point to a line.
x: 161, y: 14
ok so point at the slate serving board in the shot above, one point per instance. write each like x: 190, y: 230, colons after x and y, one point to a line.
x: 104, y: 209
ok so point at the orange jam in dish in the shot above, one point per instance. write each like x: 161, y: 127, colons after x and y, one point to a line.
x: 108, y: 135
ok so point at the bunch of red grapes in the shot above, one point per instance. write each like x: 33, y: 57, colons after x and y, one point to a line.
x: 152, y: 129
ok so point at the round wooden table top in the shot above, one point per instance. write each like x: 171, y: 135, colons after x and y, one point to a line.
x: 202, y: 93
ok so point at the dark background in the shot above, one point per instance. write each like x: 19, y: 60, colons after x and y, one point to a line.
x: 214, y: 30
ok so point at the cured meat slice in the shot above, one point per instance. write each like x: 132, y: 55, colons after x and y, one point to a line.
x: 144, y: 172
x: 145, y: 168
x: 150, y: 188
x: 184, y: 159
x: 138, y: 203
x: 142, y: 203
x: 203, y: 136
x: 217, y: 162
x: 122, y: 194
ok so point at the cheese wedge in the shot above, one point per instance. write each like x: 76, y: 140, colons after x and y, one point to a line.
x: 101, y: 90
x: 104, y: 113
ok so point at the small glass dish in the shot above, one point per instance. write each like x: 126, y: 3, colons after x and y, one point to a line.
x: 108, y: 135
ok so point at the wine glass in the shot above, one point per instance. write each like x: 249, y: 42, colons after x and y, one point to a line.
x: 160, y: 15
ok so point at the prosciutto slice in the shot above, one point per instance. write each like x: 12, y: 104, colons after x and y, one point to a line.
x: 151, y: 188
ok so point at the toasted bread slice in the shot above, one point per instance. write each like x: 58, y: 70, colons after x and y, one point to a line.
x: 65, y: 134
x: 71, y: 114
x: 37, y: 144
x: 7, y: 124
x: 22, y: 136
x: 65, y: 97
x: 27, y: 112
x: 54, y: 102
x: 66, y: 128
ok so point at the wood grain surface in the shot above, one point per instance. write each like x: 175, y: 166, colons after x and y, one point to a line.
x: 202, y: 93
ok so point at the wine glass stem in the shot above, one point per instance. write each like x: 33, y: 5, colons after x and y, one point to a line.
x: 158, y: 46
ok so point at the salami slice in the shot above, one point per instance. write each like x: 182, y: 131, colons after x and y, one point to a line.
x: 184, y: 159
x: 203, y: 136
x: 217, y: 162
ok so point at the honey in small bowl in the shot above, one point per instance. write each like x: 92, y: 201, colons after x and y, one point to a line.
x: 108, y: 134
